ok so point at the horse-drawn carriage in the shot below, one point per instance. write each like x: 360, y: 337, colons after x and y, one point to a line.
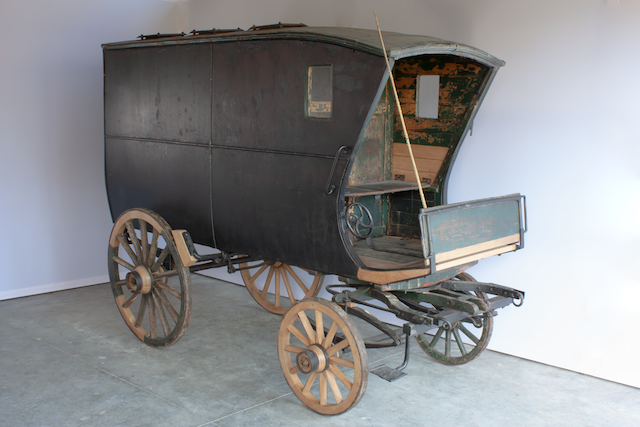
x: 280, y: 146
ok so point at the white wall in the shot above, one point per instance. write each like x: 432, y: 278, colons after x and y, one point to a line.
x: 558, y: 125
x: 53, y: 206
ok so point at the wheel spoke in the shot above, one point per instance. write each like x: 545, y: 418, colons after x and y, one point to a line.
x: 294, y: 370
x: 162, y: 316
x: 255, y: 276
x: 267, y: 282
x: 319, y: 327
x: 292, y: 298
x: 296, y: 278
x: 168, y: 273
x: 277, y: 290
x: 468, y: 333
x: 153, y: 326
x: 131, y: 300
x: 330, y: 335
x: 307, y: 327
x: 167, y: 304
x: 134, y: 239
x: 154, y: 247
x: 447, y: 343
x: 261, y: 292
x: 341, y: 361
x: 341, y: 376
x: 336, y: 348
x: 292, y: 349
x: 163, y: 255
x: 298, y: 335
x: 323, y: 388
x: 145, y: 241
x: 309, y: 383
x: 121, y: 283
x: 128, y: 249
x: 459, y: 342
x: 436, y: 337
x: 141, y: 311
x: 168, y: 289
x: 331, y: 379
x: 124, y: 263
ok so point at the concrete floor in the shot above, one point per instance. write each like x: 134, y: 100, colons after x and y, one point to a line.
x: 68, y: 359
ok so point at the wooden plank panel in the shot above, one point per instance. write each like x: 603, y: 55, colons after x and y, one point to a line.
x: 424, y: 165
x: 420, y: 151
x: 475, y: 257
x: 385, y: 277
x: 410, y: 176
x: 477, y: 249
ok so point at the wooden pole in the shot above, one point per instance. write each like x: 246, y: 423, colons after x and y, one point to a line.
x: 404, y: 126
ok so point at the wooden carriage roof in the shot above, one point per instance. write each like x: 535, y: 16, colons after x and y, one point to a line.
x: 398, y: 45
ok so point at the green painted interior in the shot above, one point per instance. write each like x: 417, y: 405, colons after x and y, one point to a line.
x: 460, y: 82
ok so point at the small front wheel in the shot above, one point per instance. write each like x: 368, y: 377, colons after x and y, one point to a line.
x: 273, y: 276
x: 323, y: 356
x: 462, y: 341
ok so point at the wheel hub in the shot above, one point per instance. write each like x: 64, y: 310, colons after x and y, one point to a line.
x: 313, y: 359
x: 140, y: 280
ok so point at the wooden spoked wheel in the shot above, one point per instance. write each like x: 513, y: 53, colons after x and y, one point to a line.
x: 266, y: 282
x: 462, y: 341
x: 325, y: 365
x: 151, y: 287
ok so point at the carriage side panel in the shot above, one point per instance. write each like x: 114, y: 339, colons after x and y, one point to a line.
x: 157, y: 132
x: 271, y: 163
x: 171, y: 179
x: 159, y: 93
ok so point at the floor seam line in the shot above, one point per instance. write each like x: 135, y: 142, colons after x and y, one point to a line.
x: 123, y: 380
x: 251, y: 407
x: 384, y: 358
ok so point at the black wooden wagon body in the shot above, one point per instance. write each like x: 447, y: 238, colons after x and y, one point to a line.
x: 283, y: 144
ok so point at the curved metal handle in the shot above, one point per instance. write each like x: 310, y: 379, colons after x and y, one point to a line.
x: 330, y: 188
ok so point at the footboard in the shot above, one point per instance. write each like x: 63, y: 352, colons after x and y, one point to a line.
x: 461, y: 233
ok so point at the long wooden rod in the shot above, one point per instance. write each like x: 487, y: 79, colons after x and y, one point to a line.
x: 404, y: 126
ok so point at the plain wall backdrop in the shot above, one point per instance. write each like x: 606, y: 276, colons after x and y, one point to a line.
x: 558, y: 125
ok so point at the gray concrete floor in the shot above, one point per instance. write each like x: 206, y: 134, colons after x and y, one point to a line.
x: 68, y: 359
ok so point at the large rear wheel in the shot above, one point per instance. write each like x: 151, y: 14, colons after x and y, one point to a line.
x: 151, y: 287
